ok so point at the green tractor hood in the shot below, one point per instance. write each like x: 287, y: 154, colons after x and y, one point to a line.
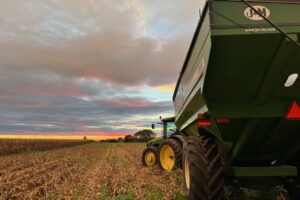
x: 155, y: 141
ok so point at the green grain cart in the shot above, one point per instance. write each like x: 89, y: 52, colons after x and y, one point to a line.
x: 238, y: 102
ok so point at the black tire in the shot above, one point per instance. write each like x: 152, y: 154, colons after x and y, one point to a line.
x: 206, y: 180
x: 177, y: 149
x: 149, y: 149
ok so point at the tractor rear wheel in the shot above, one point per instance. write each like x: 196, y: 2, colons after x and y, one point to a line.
x: 169, y: 154
x: 202, y: 169
x: 149, y: 157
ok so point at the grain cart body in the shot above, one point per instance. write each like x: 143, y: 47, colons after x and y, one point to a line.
x: 241, y: 73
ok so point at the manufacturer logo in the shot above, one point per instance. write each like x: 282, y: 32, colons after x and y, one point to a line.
x: 255, y: 14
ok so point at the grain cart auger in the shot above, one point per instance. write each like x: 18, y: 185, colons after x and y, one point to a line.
x: 238, y: 101
x: 165, y: 150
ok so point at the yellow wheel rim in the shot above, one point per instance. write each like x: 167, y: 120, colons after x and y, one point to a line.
x: 150, y: 158
x: 187, y: 172
x: 167, y: 157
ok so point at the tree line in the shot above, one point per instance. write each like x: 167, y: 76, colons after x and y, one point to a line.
x: 140, y: 136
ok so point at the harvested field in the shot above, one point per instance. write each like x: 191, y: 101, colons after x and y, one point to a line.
x: 12, y: 146
x: 90, y: 171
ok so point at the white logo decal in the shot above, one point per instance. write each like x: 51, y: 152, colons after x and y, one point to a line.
x: 254, y: 14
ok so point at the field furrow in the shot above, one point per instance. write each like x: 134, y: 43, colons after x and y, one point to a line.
x: 90, y: 171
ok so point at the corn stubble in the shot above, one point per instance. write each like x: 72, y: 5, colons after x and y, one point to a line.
x: 13, y: 146
x: 89, y: 171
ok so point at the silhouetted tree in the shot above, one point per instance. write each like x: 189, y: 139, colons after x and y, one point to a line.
x: 140, y: 136
x: 128, y: 138
x: 144, y: 135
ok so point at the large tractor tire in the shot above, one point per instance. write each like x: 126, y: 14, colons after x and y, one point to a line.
x: 149, y: 156
x: 169, y: 154
x: 202, y: 169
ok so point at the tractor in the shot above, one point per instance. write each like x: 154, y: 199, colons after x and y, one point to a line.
x: 166, y: 151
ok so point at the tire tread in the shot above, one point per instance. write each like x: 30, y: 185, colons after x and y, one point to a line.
x: 206, y: 177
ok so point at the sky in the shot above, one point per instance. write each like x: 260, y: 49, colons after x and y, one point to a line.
x: 90, y: 67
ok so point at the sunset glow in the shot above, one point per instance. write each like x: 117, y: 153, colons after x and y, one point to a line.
x: 62, y: 137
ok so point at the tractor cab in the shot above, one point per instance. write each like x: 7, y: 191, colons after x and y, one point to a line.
x: 169, y: 127
x: 168, y: 130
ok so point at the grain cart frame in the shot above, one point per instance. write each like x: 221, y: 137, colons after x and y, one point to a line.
x: 165, y: 150
x: 238, y: 100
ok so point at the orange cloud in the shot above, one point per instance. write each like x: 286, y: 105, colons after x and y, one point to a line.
x: 165, y: 88
x: 128, y: 103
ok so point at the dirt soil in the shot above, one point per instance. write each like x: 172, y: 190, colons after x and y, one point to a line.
x: 90, y: 171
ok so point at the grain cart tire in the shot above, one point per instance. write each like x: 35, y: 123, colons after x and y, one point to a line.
x: 202, y: 169
x: 149, y: 156
x: 169, y: 154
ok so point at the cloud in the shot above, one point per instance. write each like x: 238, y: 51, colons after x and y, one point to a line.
x: 104, y: 40
x: 127, y: 102
x: 98, y: 65
x: 68, y: 114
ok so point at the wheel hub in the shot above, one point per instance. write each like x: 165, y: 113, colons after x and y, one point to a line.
x: 150, y: 158
x: 167, y: 157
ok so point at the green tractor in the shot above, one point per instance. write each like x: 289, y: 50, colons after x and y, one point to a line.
x: 165, y: 150
x: 237, y: 100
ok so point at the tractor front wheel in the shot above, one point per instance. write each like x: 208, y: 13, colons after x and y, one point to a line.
x: 149, y: 156
x: 202, y: 169
x: 169, y: 153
